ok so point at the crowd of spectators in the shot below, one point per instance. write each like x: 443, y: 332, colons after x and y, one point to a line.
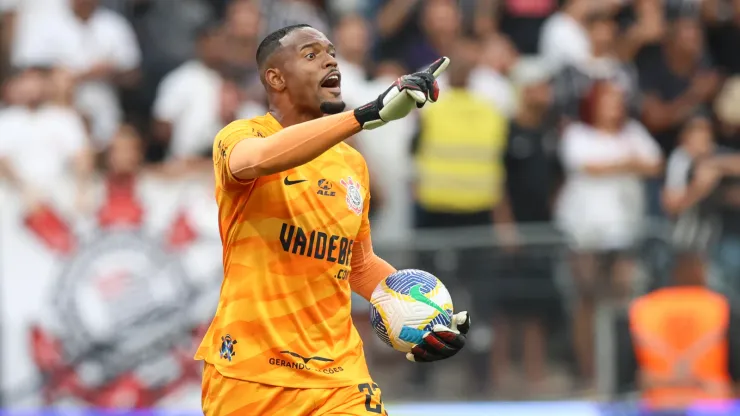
x: 592, y: 115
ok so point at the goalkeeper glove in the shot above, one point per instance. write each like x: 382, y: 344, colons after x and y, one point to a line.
x: 399, y: 99
x: 442, y: 342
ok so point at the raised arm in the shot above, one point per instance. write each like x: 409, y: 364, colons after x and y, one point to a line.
x: 304, y: 142
x: 290, y: 147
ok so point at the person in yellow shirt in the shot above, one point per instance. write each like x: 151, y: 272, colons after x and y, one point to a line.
x: 293, y: 213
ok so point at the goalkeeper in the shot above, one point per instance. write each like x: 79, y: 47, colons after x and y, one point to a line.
x: 293, y: 202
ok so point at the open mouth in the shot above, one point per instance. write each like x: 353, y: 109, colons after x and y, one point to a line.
x: 332, y: 80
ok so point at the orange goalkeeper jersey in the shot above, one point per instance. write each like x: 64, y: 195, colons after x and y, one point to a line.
x: 284, y: 314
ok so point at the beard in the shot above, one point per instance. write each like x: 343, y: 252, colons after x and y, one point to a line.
x: 329, y: 107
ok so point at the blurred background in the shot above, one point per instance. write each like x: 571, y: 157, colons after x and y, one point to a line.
x: 584, y: 153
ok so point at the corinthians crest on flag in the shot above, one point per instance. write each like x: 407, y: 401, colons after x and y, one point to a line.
x: 120, y: 317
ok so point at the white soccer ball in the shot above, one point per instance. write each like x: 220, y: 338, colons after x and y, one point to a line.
x: 406, y: 305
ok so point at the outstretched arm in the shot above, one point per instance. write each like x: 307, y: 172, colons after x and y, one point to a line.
x: 304, y: 142
x: 290, y: 147
x: 368, y: 270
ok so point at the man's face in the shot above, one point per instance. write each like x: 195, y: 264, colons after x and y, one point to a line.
x: 310, y: 72
x: 538, y: 95
x: 211, y: 48
x: 84, y: 7
x: 243, y: 20
x: 440, y: 18
x: 688, y: 37
x: 353, y: 37
x: 31, y: 87
x: 603, y: 34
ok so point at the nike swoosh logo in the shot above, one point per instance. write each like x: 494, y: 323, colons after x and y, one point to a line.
x: 288, y: 182
x: 415, y: 293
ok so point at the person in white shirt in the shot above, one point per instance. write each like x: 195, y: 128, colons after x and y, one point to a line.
x: 100, y: 47
x: 564, y: 38
x: 194, y: 101
x: 601, y: 207
x: 40, y: 141
x: 490, y: 77
x: 29, y: 37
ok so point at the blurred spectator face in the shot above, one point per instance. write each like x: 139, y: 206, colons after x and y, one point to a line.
x: 537, y: 96
x: 532, y: 77
x: 440, y: 19
x: 84, y: 8
x: 61, y: 86
x: 602, y: 33
x: 352, y: 37
x: 690, y: 269
x: 498, y: 53
x: 687, y: 38
x: 243, y: 19
x: 30, y: 88
x: 697, y: 137
x: 464, y: 58
x: 125, y: 152
x: 604, y: 105
x: 211, y: 44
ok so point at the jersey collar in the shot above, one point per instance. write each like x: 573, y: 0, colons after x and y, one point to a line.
x: 272, y: 123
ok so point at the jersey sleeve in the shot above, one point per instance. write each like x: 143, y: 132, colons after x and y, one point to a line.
x: 365, y: 225
x: 224, y: 144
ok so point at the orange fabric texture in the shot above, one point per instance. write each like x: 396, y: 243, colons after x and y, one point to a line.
x: 681, y: 346
x: 368, y: 270
x: 223, y: 396
x: 283, y: 318
x: 293, y: 146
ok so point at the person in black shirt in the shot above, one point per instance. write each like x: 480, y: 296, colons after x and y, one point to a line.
x: 526, y: 295
x: 676, y: 82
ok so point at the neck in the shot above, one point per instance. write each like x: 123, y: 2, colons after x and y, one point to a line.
x: 529, y: 117
x: 290, y: 118
x: 83, y: 15
x: 33, y: 106
x: 608, y: 127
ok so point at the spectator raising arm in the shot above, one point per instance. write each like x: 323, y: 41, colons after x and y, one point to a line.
x: 660, y: 115
x: 393, y: 15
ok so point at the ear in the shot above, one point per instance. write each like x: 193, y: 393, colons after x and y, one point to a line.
x: 274, y: 79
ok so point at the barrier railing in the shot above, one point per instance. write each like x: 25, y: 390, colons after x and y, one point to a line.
x: 109, y: 316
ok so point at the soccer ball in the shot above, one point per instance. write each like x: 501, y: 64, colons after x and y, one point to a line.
x: 406, y: 305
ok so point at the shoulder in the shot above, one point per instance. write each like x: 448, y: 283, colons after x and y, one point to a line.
x: 634, y: 126
x: 553, y: 23
x: 62, y: 115
x: 576, y: 130
x: 355, y: 160
x: 109, y: 20
x: 244, y: 128
x: 12, y: 114
x: 183, y: 73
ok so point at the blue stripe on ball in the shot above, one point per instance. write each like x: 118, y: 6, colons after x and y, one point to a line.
x: 377, y: 322
x: 411, y: 335
x: 439, y: 319
x: 403, y: 280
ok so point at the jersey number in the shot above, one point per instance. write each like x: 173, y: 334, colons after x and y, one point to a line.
x: 369, y: 390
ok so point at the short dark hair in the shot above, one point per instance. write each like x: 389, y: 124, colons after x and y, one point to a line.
x: 271, y: 42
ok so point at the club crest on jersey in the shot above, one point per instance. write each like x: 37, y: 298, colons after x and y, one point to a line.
x: 354, y: 196
x: 227, y: 347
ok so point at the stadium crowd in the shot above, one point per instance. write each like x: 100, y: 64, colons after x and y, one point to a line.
x: 591, y: 116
